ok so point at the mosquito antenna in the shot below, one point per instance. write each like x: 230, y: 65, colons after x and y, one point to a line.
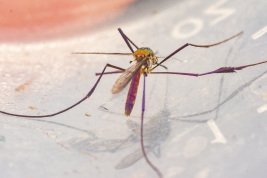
x: 201, y: 46
x: 163, y: 66
x: 171, y: 58
x: 165, y: 57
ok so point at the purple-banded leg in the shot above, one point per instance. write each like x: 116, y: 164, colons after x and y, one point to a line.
x: 72, y: 106
x: 200, y: 46
x: 220, y: 70
x: 142, y: 131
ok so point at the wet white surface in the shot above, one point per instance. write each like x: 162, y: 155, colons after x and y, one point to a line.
x: 212, y: 126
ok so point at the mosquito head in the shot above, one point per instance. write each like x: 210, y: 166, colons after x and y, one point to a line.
x: 146, y: 54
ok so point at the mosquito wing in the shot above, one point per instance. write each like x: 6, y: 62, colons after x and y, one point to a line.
x: 126, y: 76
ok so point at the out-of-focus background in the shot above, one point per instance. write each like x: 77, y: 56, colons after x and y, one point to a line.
x: 212, y: 126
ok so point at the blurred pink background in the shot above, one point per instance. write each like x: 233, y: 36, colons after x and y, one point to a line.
x: 37, y: 19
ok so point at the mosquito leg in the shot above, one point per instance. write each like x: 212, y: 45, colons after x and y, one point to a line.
x: 220, y: 70
x: 102, y: 53
x: 112, y: 72
x: 64, y: 110
x: 142, y: 133
x: 120, y: 70
x: 163, y: 66
x: 126, y: 39
x: 200, y: 46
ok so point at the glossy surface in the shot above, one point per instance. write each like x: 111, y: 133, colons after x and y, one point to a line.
x: 201, y: 127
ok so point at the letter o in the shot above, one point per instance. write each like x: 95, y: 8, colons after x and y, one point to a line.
x: 196, y: 22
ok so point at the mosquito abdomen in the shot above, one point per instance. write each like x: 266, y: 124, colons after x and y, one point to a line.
x: 132, y: 93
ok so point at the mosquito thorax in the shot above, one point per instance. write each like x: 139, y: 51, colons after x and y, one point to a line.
x: 145, y: 54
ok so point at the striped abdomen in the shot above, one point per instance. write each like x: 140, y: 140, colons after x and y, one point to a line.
x: 132, y: 93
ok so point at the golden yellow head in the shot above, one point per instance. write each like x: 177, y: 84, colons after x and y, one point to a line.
x: 147, y: 55
x: 143, y: 52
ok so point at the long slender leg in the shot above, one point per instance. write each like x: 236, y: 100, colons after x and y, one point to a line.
x: 220, y: 70
x: 200, y: 46
x: 112, y: 72
x: 64, y: 110
x: 126, y: 39
x: 116, y: 54
x: 120, y: 70
x: 142, y: 132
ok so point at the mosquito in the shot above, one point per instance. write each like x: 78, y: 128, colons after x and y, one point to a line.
x: 145, y: 61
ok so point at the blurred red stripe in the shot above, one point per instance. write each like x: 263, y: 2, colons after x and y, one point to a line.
x: 27, y: 14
